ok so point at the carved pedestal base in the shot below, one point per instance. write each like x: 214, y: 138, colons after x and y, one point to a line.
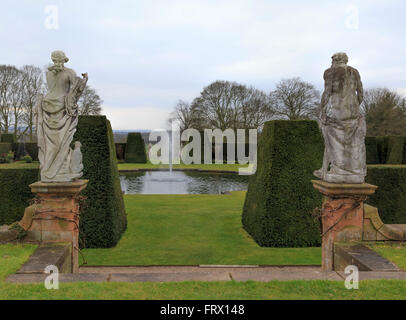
x: 55, y: 215
x: 342, y: 215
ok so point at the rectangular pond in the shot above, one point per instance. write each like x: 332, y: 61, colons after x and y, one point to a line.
x: 181, y: 182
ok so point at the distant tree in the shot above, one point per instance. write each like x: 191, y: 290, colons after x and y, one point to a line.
x: 184, y: 115
x: 229, y: 105
x: 385, y: 112
x: 32, y: 86
x: 90, y: 102
x: 10, y: 96
x: 294, y: 99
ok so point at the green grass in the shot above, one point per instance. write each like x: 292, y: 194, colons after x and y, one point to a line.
x: 274, y: 290
x: 19, y: 165
x: 12, y: 256
x: 387, y: 165
x: 216, y: 167
x: 192, y: 230
x: 395, y: 252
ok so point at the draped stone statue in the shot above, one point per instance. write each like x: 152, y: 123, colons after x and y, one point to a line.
x: 57, y: 117
x: 342, y: 124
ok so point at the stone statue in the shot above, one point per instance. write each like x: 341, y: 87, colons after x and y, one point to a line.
x: 56, y: 123
x: 342, y: 124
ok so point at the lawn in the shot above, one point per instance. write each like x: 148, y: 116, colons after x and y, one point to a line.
x: 192, y: 230
x: 12, y: 256
x: 393, y: 251
x: 20, y: 165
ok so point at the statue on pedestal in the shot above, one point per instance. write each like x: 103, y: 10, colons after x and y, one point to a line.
x: 56, y: 123
x: 342, y: 124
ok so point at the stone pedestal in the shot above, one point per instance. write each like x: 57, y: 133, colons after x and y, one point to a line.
x: 342, y: 215
x: 55, y: 215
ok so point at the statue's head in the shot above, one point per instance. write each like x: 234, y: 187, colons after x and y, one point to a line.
x: 339, y: 58
x: 59, y: 57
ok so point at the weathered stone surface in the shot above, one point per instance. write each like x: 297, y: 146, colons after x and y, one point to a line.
x: 283, y: 275
x: 72, y: 277
x: 57, y: 254
x: 372, y: 214
x: 343, y: 126
x: 57, y: 118
x: 349, y: 233
x: 369, y: 232
x: 342, y: 216
x: 169, y: 277
x: 65, y: 188
x: 392, y: 232
x: 55, y: 215
x: 359, y: 255
x: 7, y: 235
x: 343, y: 189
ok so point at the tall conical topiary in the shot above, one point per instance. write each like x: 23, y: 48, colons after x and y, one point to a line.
x: 280, y: 198
x: 135, y: 149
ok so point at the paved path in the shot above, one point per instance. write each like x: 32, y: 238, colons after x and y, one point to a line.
x: 195, y: 273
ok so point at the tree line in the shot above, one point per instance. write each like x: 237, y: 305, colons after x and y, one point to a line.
x: 19, y: 89
x: 225, y: 104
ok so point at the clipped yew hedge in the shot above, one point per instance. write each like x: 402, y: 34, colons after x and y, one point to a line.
x: 135, y: 148
x: 103, y: 219
x: 5, y: 148
x: 390, y: 197
x: 280, y: 198
x: 7, y: 138
x: 386, y: 150
x: 15, y: 193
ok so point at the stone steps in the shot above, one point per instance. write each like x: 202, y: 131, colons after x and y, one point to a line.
x: 361, y: 256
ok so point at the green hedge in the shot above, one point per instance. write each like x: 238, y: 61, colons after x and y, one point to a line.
x: 103, y: 219
x: 29, y: 147
x: 396, y: 150
x: 371, y: 146
x: 5, y: 148
x: 7, y: 138
x: 135, y: 149
x: 280, y: 199
x: 390, y: 197
x: 386, y: 150
x: 15, y: 193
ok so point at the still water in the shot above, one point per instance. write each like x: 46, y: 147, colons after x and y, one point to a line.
x: 180, y: 182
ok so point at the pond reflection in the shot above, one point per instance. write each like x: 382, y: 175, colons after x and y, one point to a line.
x: 181, y: 182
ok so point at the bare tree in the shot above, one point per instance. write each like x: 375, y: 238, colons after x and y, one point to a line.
x: 223, y: 105
x: 184, y: 115
x: 294, y: 99
x: 9, y: 96
x: 89, y: 103
x: 385, y: 112
x: 32, y: 86
x: 213, y: 106
x: 254, y: 109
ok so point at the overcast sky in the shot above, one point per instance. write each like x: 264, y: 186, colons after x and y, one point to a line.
x: 142, y: 56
